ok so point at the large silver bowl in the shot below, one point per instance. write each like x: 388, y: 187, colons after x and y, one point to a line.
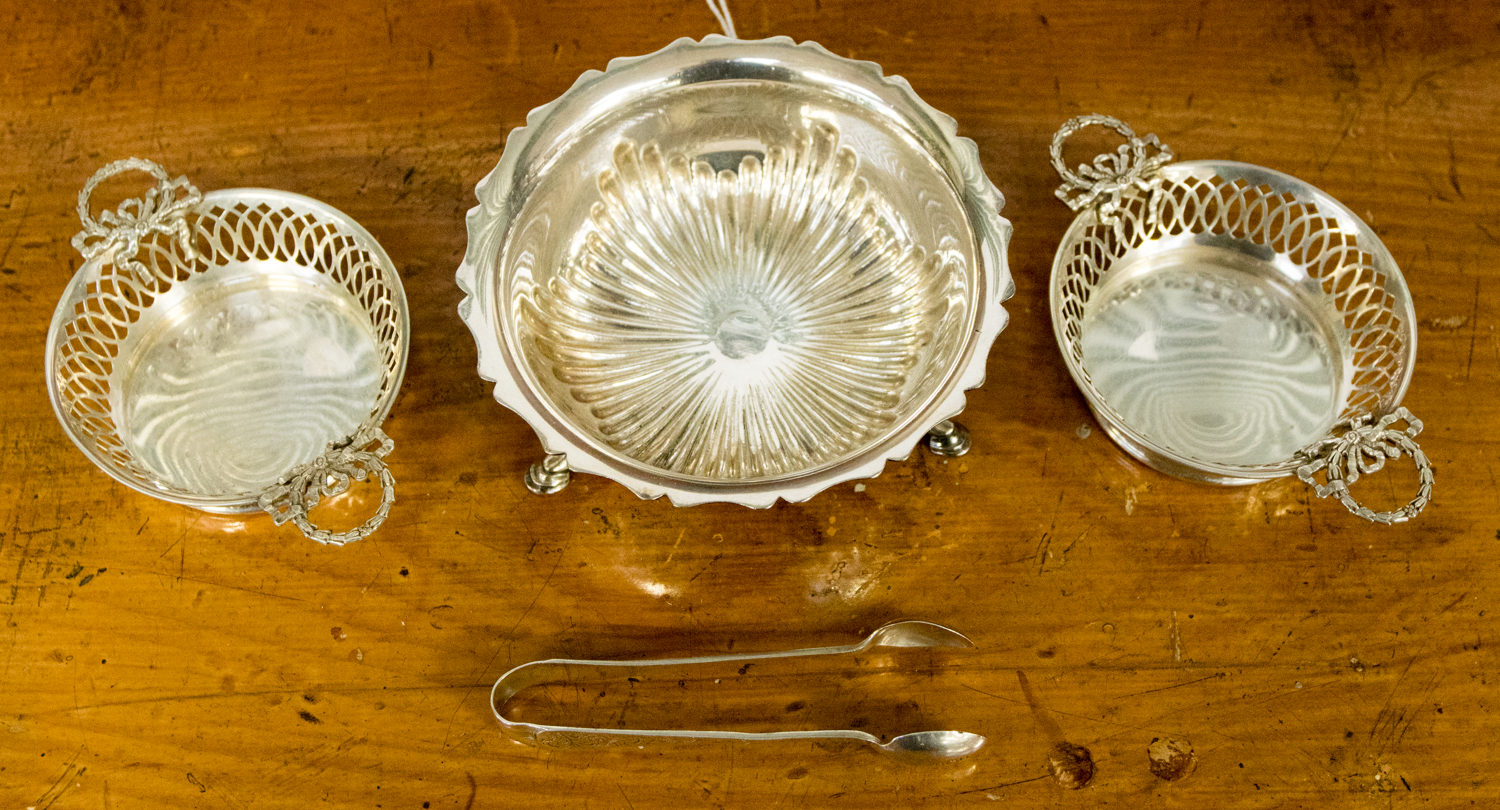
x: 735, y: 271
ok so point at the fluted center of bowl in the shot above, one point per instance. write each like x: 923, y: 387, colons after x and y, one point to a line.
x: 748, y: 322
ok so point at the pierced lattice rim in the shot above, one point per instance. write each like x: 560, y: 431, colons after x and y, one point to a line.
x: 1349, y: 222
x: 226, y: 199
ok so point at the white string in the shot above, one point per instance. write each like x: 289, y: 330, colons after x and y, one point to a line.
x: 720, y: 8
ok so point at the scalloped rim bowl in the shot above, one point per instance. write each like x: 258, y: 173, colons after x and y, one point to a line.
x: 524, y: 241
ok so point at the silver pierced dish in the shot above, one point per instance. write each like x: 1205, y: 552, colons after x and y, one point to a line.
x: 230, y: 351
x: 1230, y: 324
x: 735, y: 271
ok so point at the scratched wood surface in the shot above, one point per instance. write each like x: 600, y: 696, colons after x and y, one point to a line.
x: 151, y: 656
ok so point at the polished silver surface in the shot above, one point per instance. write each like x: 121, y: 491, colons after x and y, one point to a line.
x: 735, y: 271
x: 900, y: 634
x: 549, y: 475
x: 1229, y: 323
x: 229, y: 351
x: 949, y: 438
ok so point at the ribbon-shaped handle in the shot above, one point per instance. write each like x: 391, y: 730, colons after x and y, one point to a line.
x: 328, y: 475
x: 1133, y: 165
x: 1361, y: 449
x: 162, y: 210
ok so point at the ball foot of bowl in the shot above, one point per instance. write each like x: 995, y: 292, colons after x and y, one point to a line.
x: 550, y: 476
x: 949, y: 438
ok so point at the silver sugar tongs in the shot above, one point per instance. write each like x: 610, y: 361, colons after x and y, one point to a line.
x: 938, y: 744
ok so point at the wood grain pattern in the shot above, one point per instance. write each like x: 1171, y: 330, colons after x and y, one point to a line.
x: 151, y: 656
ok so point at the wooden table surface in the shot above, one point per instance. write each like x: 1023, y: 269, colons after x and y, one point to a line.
x: 154, y: 656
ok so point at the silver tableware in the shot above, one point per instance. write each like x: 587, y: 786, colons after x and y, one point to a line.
x: 735, y: 271
x: 1230, y: 324
x: 230, y: 351
x: 900, y: 634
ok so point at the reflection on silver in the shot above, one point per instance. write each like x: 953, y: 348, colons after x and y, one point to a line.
x: 735, y: 271
x: 1210, y: 365
x: 901, y: 634
x: 1223, y: 318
